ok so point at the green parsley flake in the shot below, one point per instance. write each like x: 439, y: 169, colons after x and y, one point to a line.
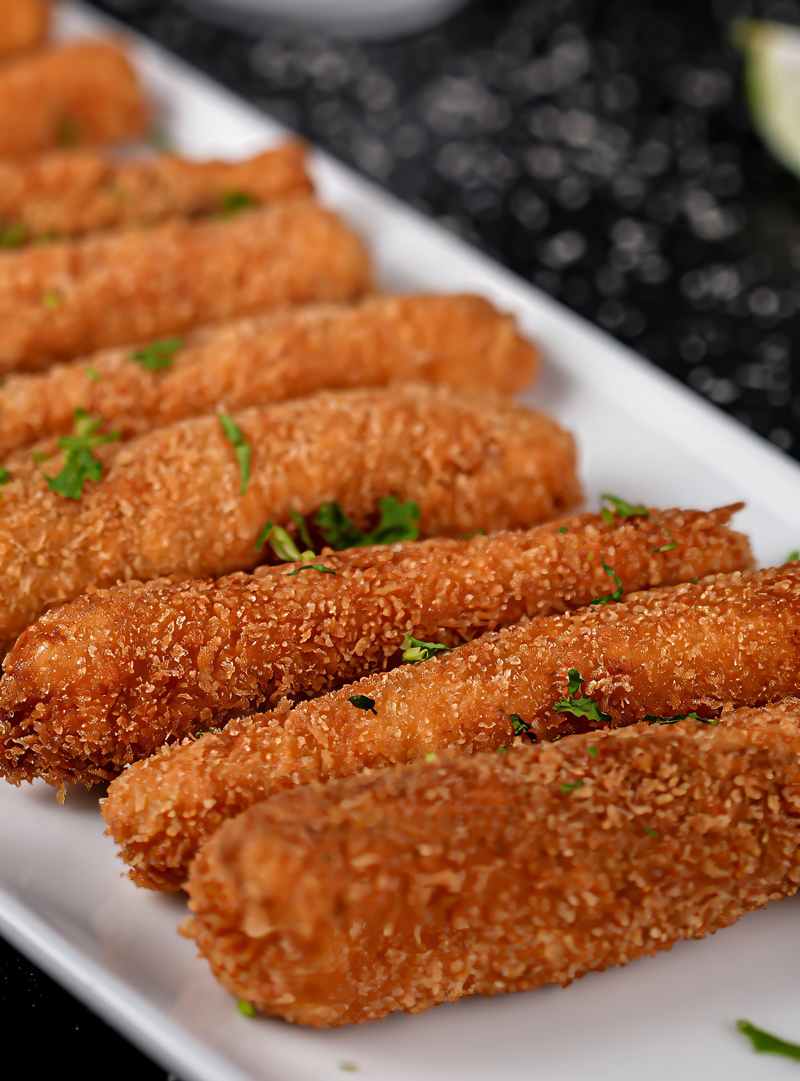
x: 302, y: 529
x: 245, y: 1008
x: 430, y: 756
x: 654, y: 718
x: 573, y: 785
x: 283, y: 545
x: 233, y: 433
x: 415, y: 651
x: 158, y: 355
x: 693, y: 581
x: 80, y: 463
x: 51, y: 300
x: 652, y: 833
x: 15, y: 235
x: 92, y: 373
x: 593, y: 752
x: 616, y: 595
x: 579, y: 706
x: 5, y: 476
x: 311, y: 567
x: 502, y: 750
x: 522, y: 728
x: 68, y: 133
x: 563, y: 529
x: 398, y: 522
x: 623, y: 509
x: 765, y: 1043
x: 793, y: 557
x: 233, y: 202
x: 362, y: 701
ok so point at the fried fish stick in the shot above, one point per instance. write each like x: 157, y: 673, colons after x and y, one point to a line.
x: 69, y: 95
x: 23, y: 26
x: 340, y: 904
x: 70, y: 194
x: 180, y: 501
x: 460, y: 340
x: 728, y: 641
x: 112, y: 676
x: 63, y: 300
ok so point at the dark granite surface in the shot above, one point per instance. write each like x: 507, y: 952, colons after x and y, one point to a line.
x: 603, y: 151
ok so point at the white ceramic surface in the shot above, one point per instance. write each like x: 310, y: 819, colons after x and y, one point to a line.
x: 62, y: 900
x: 356, y: 18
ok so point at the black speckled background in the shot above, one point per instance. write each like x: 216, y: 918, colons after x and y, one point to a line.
x: 601, y: 149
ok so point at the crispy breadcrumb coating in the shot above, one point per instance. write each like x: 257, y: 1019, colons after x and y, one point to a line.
x: 112, y: 676
x: 170, y: 502
x: 460, y: 340
x: 62, y: 300
x: 68, y: 95
x: 341, y: 903
x: 728, y: 641
x: 23, y: 26
x: 82, y: 191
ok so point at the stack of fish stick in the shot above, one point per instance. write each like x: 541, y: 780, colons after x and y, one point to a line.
x: 287, y: 569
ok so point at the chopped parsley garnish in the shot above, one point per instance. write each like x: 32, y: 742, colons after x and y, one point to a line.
x: 593, y: 752
x: 398, y: 522
x: 430, y: 756
x: 247, y: 1009
x: 15, y: 235
x: 563, y: 529
x: 158, y: 355
x: 766, y: 1043
x: 68, y: 133
x: 5, y: 476
x: 793, y: 557
x: 577, y: 703
x: 362, y: 701
x: 311, y: 567
x: 616, y: 595
x: 415, y: 651
x: 501, y: 750
x: 522, y: 728
x: 51, y: 300
x: 302, y: 529
x: 693, y: 581
x: 283, y: 545
x: 80, y: 464
x: 652, y: 833
x: 233, y: 433
x: 629, y: 510
x: 92, y: 373
x: 622, y: 509
x: 570, y: 787
x: 653, y: 718
x: 233, y: 202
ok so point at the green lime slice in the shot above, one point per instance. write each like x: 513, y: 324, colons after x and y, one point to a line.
x: 772, y: 82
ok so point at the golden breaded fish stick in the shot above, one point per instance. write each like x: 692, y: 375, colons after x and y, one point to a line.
x: 69, y: 95
x: 60, y: 301
x: 460, y: 340
x: 23, y: 26
x: 69, y: 194
x: 727, y: 641
x: 114, y: 675
x: 342, y: 903
x: 172, y: 502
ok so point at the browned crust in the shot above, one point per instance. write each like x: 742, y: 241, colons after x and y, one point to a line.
x: 460, y: 340
x: 72, y: 193
x: 170, y: 501
x: 112, y: 676
x: 80, y: 93
x: 341, y: 903
x: 63, y: 300
x: 728, y: 641
x: 23, y: 27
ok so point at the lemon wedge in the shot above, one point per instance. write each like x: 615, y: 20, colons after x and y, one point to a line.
x: 772, y: 83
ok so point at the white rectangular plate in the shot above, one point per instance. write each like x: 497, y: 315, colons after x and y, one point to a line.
x: 64, y: 904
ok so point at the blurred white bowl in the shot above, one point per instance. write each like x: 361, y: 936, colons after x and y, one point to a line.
x: 350, y: 18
